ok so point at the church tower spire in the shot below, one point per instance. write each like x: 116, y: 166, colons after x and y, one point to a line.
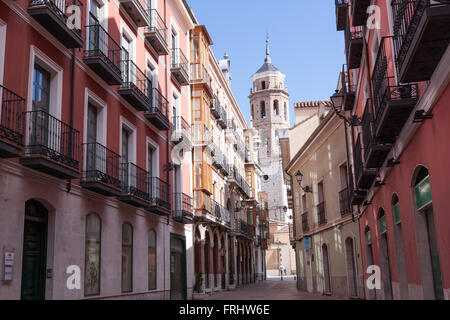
x: 268, y: 59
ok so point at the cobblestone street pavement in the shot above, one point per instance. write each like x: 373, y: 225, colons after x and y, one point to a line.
x: 268, y: 290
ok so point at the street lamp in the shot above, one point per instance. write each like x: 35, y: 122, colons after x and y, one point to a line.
x: 299, y: 177
x: 337, y: 102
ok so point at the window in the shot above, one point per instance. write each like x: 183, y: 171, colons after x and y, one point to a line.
x: 276, y: 108
x: 285, y: 111
x: 152, y: 260
x: 125, y: 145
x: 263, y: 85
x: 92, y: 255
x: 2, y: 48
x: 127, y: 258
x: 41, y: 89
x: 150, y: 164
x: 263, y: 110
x: 304, y: 204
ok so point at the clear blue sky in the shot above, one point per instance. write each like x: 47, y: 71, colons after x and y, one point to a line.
x: 304, y: 43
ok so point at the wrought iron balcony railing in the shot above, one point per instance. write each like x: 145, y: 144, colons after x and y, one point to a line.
x: 180, y: 66
x: 135, y: 85
x: 12, y: 123
x: 102, y: 54
x: 244, y: 228
x: 158, y: 112
x: 341, y: 13
x: 344, y: 202
x: 322, y: 219
x: 53, y: 141
x: 421, y: 37
x: 156, y: 32
x: 53, y: 15
x: 135, y: 185
x: 364, y: 177
x: 159, y: 194
x: 102, y: 169
x: 353, y: 44
x: 181, y: 130
x: 183, y: 211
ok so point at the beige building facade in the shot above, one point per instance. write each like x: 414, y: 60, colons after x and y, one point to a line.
x: 326, y: 235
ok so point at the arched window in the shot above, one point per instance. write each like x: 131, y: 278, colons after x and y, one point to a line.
x: 426, y: 236
x: 263, y: 85
x: 253, y: 111
x: 384, y: 252
x: 127, y: 258
x: 152, y: 260
x: 276, y: 108
x: 263, y: 110
x: 92, y: 255
x: 399, y: 247
x: 285, y: 111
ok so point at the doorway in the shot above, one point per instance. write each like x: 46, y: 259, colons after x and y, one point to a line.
x: 326, y: 270
x: 34, y: 257
x: 178, y: 285
x: 351, y: 269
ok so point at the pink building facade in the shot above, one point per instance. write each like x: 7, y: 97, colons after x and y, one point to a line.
x: 397, y: 84
x: 95, y: 185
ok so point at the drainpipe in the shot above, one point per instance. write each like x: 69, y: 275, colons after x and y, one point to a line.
x: 167, y: 144
x: 72, y: 108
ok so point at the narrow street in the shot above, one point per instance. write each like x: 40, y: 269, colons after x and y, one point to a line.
x: 272, y: 289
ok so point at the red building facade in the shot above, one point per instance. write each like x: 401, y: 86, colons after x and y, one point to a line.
x: 93, y: 173
x: 397, y: 84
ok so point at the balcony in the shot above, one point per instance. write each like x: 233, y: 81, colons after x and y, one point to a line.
x: 344, y: 202
x: 181, y: 131
x: 159, y: 193
x: 102, y: 170
x: 364, y: 177
x: 359, y: 12
x: 321, y: 217
x: 221, y: 214
x: 422, y: 35
x: 135, y: 186
x: 348, y: 90
x: 225, y: 170
x: 218, y: 157
x: 341, y: 13
x: 156, y: 33
x: 375, y: 151
x: 291, y: 234
x: 135, y: 9
x: 199, y: 75
x: 356, y: 196
x: 236, y: 180
x: 393, y: 108
x: 52, y: 15
x: 230, y: 134
x: 180, y: 67
x: 305, y: 224
x: 243, y: 228
x: 102, y: 54
x: 353, y: 45
x: 134, y: 88
x: 52, y: 146
x: 219, y: 113
x: 393, y: 102
x: 157, y: 112
x: 12, y: 125
x: 183, y: 212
